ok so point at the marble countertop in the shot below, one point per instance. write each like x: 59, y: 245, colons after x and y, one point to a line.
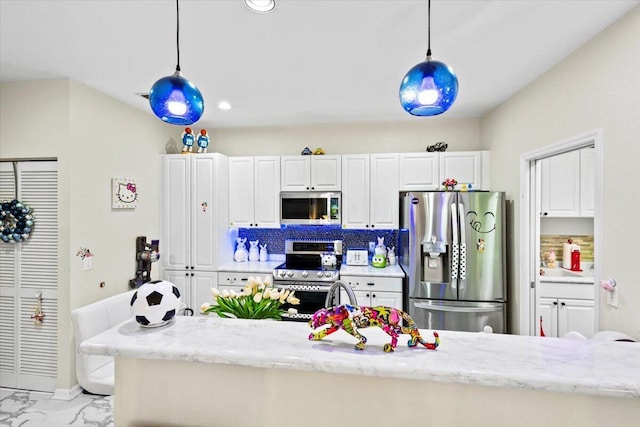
x: 535, y: 363
x: 367, y: 270
x: 265, y: 267
x: 561, y: 275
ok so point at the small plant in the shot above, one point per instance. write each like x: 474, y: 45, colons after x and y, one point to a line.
x: 258, y: 300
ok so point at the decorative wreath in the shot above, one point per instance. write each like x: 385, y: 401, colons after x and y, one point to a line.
x: 16, y: 221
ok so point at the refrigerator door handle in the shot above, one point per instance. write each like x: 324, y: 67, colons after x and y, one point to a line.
x: 455, y: 248
x: 463, y: 245
x: 489, y: 308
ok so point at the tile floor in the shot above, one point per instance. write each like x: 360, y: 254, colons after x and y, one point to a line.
x: 22, y: 408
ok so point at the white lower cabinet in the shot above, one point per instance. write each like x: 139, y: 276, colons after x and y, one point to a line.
x: 195, y: 286
x: 372, y: 291
x: 558, y: 316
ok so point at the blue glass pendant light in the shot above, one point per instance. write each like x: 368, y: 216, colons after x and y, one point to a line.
x: 430, y: 87
x: 174, y: 99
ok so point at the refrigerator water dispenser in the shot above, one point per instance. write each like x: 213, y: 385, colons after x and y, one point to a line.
x: 435, y: 258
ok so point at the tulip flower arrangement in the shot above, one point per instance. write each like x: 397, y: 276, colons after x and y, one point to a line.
x: 258, y: 300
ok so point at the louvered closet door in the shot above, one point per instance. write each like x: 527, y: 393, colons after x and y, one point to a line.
x: 28, y: 355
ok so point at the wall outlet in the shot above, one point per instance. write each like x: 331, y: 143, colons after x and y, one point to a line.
x: 87, y: 263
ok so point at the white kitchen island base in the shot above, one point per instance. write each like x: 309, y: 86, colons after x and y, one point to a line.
x: 235, y: 373
x: 173, y: 393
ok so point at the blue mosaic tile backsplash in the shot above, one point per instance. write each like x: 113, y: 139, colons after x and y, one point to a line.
x: 353, y: 239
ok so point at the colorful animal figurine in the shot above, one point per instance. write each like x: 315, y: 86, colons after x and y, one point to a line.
x: 349, y: 318
x: 188, y: 138
x: 241, y: 254
x: 378, y: 261
x: 203, y: 141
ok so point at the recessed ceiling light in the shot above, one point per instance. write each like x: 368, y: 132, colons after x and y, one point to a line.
x: 224, y: 105
x: 261, y: 6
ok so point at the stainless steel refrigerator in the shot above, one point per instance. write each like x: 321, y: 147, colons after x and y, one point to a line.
x: 453, y: 250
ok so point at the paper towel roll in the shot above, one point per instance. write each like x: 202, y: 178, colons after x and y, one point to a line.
x: 566, y: 255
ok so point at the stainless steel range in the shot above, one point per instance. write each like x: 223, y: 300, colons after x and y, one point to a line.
x: 310, y: 268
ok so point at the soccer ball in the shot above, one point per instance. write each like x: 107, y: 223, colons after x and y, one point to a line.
x: 155, y: 303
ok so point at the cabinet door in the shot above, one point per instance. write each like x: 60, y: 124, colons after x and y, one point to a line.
x: 419, y: 172
x: 547, y: 317
x: 203, y: 207
x: 326, y: 173
x: 176, y: 238
x: 575, y: 315
x: 388, y: 299
x: 587, y: 181
x: 384, y: 193
x: 295, y: 173
x: 464, y: 166
x: 267, y: 192
x: 202, y: 282
x: 560, y: 180
x: 241, y: 191
x: 182, y: 280
x: 355, y: 191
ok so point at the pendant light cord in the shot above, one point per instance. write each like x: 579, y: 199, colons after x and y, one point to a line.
x: 178, y: 34
x: 15, y: 179
x: 429, y: 30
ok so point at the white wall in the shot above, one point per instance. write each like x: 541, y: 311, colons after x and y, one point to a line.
x: 94, y: 138
x: 598, y: 86
x: 407, y: 136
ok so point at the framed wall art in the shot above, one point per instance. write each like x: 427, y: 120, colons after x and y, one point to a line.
x: 124, y: 193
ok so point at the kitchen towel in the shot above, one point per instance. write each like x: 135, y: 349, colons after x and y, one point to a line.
x: 566, y: 255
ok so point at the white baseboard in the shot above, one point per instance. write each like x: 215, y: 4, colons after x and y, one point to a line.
x: 66, y: 393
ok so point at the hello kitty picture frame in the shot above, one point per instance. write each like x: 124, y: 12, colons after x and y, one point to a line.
x: 124, y: 193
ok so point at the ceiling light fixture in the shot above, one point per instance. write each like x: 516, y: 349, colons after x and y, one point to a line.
x: 174, y: 99
x: 261, y: 6
x: 430, y: 87
x: 224, y: 105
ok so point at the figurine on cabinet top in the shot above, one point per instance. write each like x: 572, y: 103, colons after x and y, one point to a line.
x: 188, y: 138
x: 203, y: 141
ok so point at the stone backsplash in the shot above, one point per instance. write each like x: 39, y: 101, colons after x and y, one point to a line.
x: 548, y: 242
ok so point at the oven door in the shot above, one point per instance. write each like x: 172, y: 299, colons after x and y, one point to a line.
x: 312, y: 298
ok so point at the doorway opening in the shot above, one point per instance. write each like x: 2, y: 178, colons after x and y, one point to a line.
x: 531, y: 186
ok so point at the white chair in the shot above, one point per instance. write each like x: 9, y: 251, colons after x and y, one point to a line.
x: 96, y: 373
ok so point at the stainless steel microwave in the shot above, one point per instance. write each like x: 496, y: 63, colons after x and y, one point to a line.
x: 309, y: 208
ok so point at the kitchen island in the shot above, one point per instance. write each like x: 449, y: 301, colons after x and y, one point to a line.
x: 220, y: 372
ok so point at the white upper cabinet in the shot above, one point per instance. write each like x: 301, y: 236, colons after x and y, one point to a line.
x: 466, y: 167
x: 254, y: 191
x: 384, y: 192
x: 426, y: 171
x: 419, y: 171
x: 567, y: 184
x: 311, y: 173
x: 370, y: 191
x: 355, y: 191
x: 587, y: 181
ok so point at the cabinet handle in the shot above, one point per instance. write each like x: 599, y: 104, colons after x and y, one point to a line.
x: 367, y: 295
x: 374, y: 295
x: 193, y: 274
x: 555, y: 303
x: 313, y: 188
x: 367, y: 226
x: 186, y: 274
x: 562, y: 303
x: 546, y: 213
x: 372, y: 225
x: 192, y: 267
x: 307, y: 188
x: 186, y: 267
x: 371, y: 284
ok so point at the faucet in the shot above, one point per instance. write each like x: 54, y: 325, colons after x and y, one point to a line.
x: 340, y: 284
